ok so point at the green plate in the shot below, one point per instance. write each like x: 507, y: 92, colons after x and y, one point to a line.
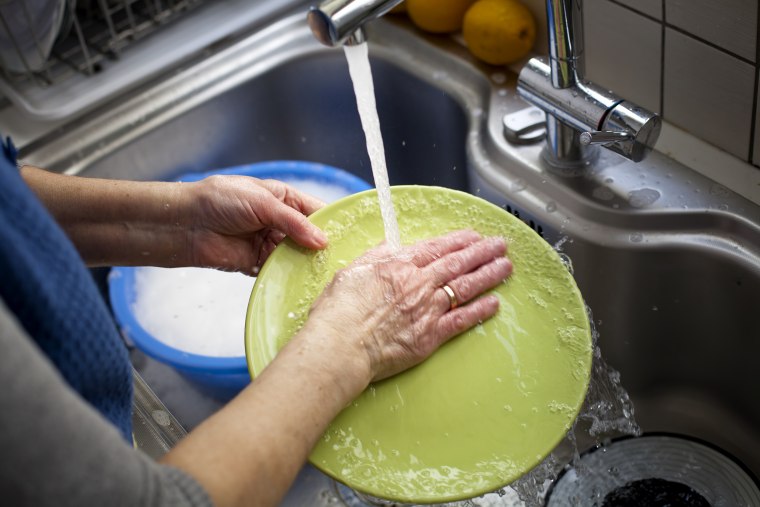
x: 484, y: 409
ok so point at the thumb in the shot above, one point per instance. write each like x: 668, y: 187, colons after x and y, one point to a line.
x: 294, y: 224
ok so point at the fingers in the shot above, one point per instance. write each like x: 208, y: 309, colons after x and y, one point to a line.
x: 290, y: 207
x: 301, y: 201
x: 470, y: 285
x: 280, y: 216
x: 262, y: 247
x: 467, y: 259
x: 425, y: 252
x: 463, y: 318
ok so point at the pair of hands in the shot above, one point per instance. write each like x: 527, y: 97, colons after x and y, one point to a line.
x: 380, y: 315
x: 391, y: 300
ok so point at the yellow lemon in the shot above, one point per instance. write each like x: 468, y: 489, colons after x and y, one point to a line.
x: 438, y: 16
x: 499, y: 32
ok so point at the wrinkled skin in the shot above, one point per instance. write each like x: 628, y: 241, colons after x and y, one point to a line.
x: 395, y: 303
x: 237, y: 221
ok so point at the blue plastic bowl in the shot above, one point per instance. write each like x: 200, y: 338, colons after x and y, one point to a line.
x: 219, y: 377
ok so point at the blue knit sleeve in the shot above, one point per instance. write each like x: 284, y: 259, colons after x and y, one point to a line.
x: 46, y: 285
x: 9, y: 150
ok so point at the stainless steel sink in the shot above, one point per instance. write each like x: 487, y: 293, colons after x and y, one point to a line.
x: 667, y: 260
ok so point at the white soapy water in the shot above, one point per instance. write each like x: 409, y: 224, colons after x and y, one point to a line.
x: 202, y: 311
x: 361, y: 76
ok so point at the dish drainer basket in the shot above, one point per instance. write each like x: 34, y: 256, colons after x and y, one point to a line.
x: 91, y: 34
x: 104, y: 46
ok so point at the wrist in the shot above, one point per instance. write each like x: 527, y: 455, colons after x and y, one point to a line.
x: 342, y: 361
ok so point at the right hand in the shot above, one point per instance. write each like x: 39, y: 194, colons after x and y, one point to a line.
x: 391, y: 305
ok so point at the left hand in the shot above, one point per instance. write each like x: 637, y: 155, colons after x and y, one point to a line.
x: 235, y: 222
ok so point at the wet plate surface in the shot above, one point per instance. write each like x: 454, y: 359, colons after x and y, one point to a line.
x: 489, y: 405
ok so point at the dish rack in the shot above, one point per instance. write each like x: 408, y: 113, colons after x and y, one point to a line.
x: 104, y: 46
x: 90, y: 35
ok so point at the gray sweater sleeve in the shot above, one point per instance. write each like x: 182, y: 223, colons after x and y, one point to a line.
x: 55, y: 449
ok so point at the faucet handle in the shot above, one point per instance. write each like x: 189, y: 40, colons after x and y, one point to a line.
x: 604, y: 137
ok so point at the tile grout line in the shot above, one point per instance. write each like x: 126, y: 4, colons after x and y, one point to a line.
x: 662, y: 62
x: 629, y: 8
x: 683, y: 32
x: 753, y: 125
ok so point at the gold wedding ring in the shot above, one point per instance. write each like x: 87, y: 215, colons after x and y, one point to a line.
x: 453, y: 303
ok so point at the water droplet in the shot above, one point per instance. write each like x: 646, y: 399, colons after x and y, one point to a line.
x: 719, y: 190
x: 551, y: 207
x: 636, y: 237
x: 499, y: 77
x: 518, y: 185
x: 643, y: 197
x: 567, y: 261
x: 603, y: 194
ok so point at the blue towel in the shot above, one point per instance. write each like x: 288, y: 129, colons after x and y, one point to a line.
x: 45, y: 283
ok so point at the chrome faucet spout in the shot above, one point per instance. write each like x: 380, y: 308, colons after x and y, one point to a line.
x: 565, y: 42
x: 337, y: 22
x: 581, y: 114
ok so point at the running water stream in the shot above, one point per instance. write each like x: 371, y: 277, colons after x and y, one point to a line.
x: 361, y: 75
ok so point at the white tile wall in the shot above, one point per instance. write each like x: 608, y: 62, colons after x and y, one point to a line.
x: 624, y: 56
x: 708, y: 92
x: 729, y: 24
x: 705, y: 75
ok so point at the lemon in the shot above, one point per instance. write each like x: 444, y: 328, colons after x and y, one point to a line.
x: 499, y: 32
x: 437, y: 16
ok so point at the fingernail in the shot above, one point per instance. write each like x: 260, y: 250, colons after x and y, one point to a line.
x: 504, y: 262
x: 321, y: 238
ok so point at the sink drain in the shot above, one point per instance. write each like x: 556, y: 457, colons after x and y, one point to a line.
x: 656, y: 470
x: 654, y: 492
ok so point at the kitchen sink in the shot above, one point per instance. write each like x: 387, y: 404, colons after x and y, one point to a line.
x: 667, y: 260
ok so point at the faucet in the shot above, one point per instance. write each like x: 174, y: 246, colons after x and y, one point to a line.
x: 336, y: 22
x: 580, y: 114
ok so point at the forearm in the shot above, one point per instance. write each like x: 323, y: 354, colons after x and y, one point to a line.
x: 250, y: 452
x: 115, y: 222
